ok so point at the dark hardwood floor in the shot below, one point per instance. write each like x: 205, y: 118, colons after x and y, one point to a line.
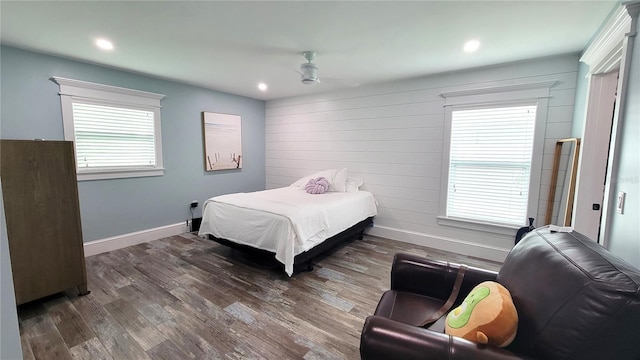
x: 184, y: 297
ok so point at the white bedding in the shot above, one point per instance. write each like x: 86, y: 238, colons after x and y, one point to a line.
x: 286, y: 221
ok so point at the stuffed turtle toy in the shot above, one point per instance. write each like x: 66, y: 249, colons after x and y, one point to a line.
x: 486, y: 316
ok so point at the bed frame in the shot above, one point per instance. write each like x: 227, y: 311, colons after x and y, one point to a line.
x: 304, y: 261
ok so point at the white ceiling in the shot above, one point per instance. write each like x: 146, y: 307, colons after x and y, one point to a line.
x: 232, y: 46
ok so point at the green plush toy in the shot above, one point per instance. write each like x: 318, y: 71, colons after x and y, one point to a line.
x: 486, y: 316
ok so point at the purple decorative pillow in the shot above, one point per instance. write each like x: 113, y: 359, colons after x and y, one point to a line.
x: 317, y: 186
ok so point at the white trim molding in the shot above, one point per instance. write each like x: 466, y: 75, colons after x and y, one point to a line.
x: 515, y: 92
x: 442, y: 243
x: 90, y: 90
x: 604, y: 52
x: 523, y: 93
x: 119, y: 174
x: 493, y: 228
x: 632, y: 9
x: 87, y: 93
x: 121, y: 241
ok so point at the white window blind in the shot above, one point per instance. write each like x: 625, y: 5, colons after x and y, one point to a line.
x: 113, y: 137
x: 490, y: 163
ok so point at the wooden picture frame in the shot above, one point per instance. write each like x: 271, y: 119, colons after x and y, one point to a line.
x: 222, y: 139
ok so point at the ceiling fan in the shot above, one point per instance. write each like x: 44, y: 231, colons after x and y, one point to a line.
x: 309, y: 73
x: 309, y: 70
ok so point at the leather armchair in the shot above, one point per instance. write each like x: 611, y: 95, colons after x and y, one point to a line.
x: 575, y: 300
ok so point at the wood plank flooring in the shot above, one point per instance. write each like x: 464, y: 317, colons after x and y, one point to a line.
x: 185, y: 297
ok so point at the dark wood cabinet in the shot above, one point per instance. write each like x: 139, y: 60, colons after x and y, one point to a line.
x: 40, y: 192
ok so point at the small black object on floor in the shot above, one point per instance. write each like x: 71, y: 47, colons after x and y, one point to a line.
x: 195, y: 224
x: 524, y: 230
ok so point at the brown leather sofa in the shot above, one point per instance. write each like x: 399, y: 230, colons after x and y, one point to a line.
x: 575, y: 300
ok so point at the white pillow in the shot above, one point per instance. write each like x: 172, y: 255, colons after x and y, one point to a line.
x: 337, y: 179
x: 328, y: 174
x: 353, y: 184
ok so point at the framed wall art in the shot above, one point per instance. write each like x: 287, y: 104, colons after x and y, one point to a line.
x: 222, y: 141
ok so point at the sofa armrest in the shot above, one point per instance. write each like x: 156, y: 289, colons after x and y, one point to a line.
x: 383, y: 338
x: 418, y: 275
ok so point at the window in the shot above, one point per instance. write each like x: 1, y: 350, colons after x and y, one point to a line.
x: 116, y: 131
x: 492, y: 157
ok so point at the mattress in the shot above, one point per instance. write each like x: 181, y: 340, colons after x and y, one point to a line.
x: 286, y: 221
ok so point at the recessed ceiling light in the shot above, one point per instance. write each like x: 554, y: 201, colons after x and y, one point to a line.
x: 471, y: 45
x: 104, y: 44
x: 262, y: 86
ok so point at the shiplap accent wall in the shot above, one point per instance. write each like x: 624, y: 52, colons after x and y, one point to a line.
x: 391, y: 136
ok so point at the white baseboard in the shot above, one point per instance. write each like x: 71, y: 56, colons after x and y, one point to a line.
x: 134, y: 238
x: 438, y: 242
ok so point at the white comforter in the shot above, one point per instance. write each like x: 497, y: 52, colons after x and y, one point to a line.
x: 286, y: 221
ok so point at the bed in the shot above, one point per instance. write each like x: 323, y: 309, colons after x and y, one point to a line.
x: 288, y: 222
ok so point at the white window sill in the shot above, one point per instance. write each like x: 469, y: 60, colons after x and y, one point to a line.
x: 118, y: 174
x: 494, y: 228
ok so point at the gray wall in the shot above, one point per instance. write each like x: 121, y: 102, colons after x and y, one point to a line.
x: 391, y: 135
x: 624, y: 235
x: 31, y: 109
x: 10, y: 347
x: 580, y: 110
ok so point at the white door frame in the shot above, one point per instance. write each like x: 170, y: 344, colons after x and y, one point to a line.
x: 606, y: 53
x: 595, y: 151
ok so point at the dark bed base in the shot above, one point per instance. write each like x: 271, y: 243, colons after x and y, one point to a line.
x: 304, y: 261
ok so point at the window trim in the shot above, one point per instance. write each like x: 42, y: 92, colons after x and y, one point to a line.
x: 518, y: 94
x: 99, y: 94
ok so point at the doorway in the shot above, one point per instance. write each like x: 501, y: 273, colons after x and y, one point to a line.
x: 596, y: 141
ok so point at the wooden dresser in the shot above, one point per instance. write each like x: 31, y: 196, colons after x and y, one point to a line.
x: 40, y: 192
